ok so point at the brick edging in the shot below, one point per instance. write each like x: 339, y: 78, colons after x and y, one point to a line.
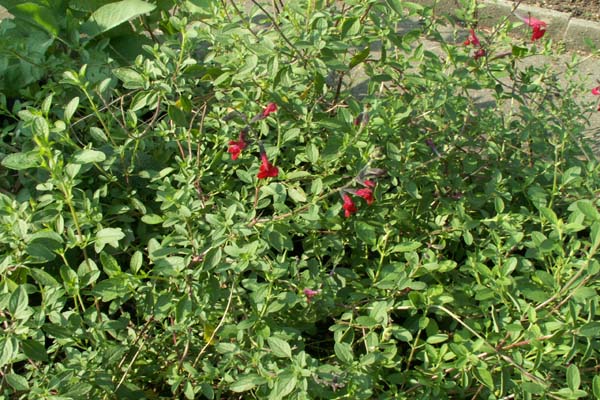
x: 561, y: 26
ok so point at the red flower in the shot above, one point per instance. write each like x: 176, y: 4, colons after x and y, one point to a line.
x: 539, y: 27
x: 235, y: 148
x: 537, y: 33
x: 309, y: 293
x: 362, y: 118
x: 472, y: 39
x: 479, y: 53
x: 369, y: 183
x: 366, y: 194
x: 596, y: 91
x: 266, y: 168
x: 349, y: 206
x: 270, y: 108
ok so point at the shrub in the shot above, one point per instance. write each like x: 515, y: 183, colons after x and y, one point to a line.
x: 228, y: 215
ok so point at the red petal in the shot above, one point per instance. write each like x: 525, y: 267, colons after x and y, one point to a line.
x: 270, y: 108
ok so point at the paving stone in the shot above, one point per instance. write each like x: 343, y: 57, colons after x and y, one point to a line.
x: 4, y: 13
x: 497, y: 11
x: 578, y: 30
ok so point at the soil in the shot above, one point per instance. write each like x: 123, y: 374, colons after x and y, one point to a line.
x: 584, y: 9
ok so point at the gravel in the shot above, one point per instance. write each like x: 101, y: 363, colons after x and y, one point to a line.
x: 585, y: 9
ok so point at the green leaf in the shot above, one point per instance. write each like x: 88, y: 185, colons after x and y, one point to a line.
x: 405, y: 247
x: 591, y: 329
x: 596, y: 386
x: 549, y: 214
x: 279, y: 347
x: 110, y: 289
x: 573, y: 378
x: 413, y: 190
x: 351, y: 27
x: 278, y: 238
x: 189, y: 391
x: 46, y: 104
x: 532, y: 387
x: 88, y: 156
x: 588, y: 209
x: 40, y: 127
x: 114, y: 14
x: 42, y: 277
x: 519, y: 51
x: 140, y: 100
x: 595, y: 235
x: 199, y: 6
x: 43, y: 245
x: 213, y: 258
x: 396, y: 5
x: 39, y: 252
x: 34, y: 350
x: 70, y: 279
x: 365, y: 232
x: 250, y: 64
x: 17, y: 382
x: 98, y: 134
x: 109, y: 264
x: 70, y: 108
x: 312, y: 153
x: 366, y: 321
x: 109, y: 236
x: 297, y: 194
x: 570, y: 175
x: 20, y: 161
x: 484, y: 376
x: 136, y: 261
x: 152, y: 219
x: 177, y: 115
x: 7, y: 350
x: 39, y: 15
x: 284, y: 385
x: 18, y: 302
x: 437, y: 338
x: 169, y: 266
x: 359, y: 57
x: 403, y: 334
x: 247, y: 382
x: 316, y: 187
x: 183, y: 309
x: 343, y: 351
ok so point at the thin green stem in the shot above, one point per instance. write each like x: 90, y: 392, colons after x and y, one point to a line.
x: 497, y: 351
x: 219, y: 325
x: 276, y: 26
x: 98, y: 115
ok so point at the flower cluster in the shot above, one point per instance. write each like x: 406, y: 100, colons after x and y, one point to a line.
x: 236, y: 146
x: 474, y: 40
x: 266, y: 170
x: 538, y: 27
x: 538, y: 31
x: 310, y: 293
x: 366, y: 193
